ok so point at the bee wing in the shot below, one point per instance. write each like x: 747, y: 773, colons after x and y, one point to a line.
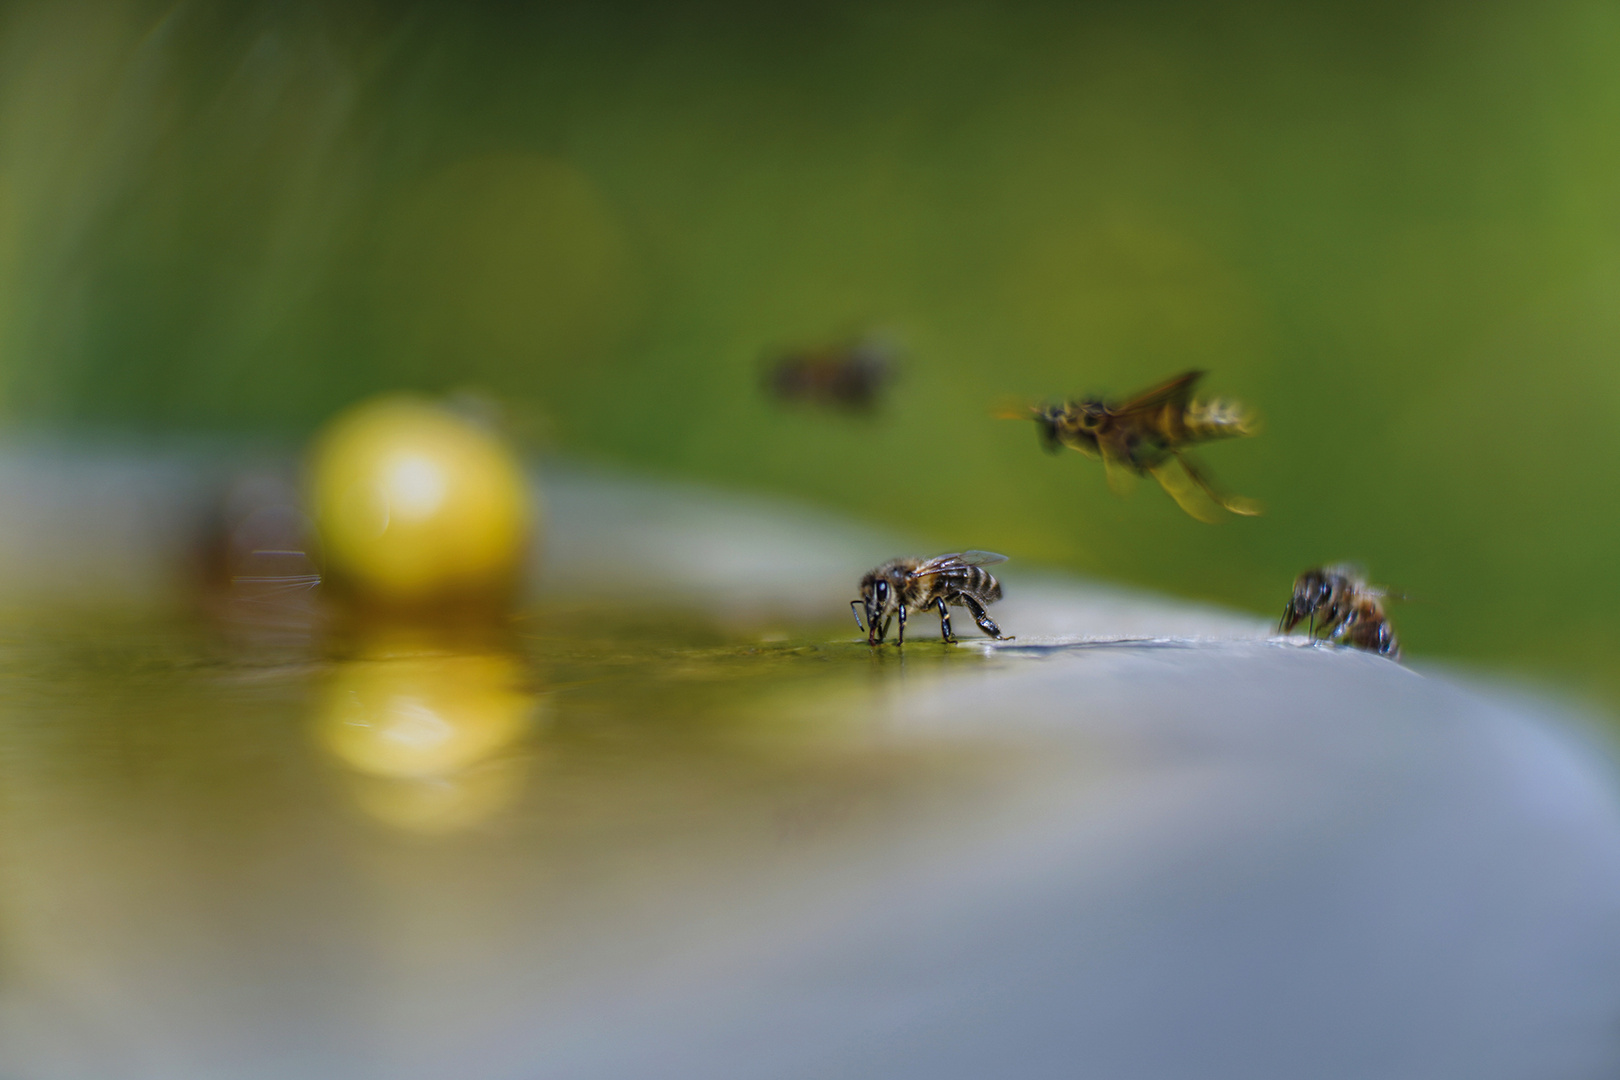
x: 1121, y: 478
x: 1377, y: 592
x: 956, y: 560
x: 1243, y: 506
x: 1177, y: 391
x: 1188, y: 495
x: 1237, y: 504
x: 1122, y: 475
x: 1184, y: 481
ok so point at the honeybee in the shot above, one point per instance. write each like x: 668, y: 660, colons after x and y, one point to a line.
x: 256, y: 552
x: 850, y: 376
x: 1341, y: 606
x: 902, y: 585
x: 1150, y: 434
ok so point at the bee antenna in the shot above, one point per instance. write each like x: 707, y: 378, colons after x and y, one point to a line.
x: 855, y: 609
x: 1008, y: 409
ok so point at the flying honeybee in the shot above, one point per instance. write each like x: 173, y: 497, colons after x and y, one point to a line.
x: 1150, y: 434
x: 1341, y: 606
x: 902, y: 585
x: 851, y: 376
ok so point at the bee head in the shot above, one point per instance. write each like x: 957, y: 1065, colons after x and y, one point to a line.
x: 1047, y: 420
x: 1089, y: 416
x: 1312, y: 590
x: 879, y: 597
x: 878, y: 602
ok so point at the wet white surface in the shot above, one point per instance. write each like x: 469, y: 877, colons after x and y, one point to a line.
x: 1210, y: 855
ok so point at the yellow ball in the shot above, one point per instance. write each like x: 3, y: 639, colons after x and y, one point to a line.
x: 415, y: 505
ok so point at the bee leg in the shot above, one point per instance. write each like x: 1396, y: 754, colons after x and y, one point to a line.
x: 883, y: 631
x: 986, y: 623
x: 944, y: 620
x: 1340, y: 627
x: 901, y: 640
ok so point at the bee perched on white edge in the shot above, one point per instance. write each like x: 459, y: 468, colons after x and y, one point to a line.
x: 1339, y: 605
x: 902, y: 585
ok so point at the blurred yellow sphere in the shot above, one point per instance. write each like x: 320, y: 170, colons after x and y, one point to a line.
x: 416, y: 505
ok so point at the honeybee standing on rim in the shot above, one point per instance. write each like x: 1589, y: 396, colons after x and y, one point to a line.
x: 901, y: 585
x: 1341, y: 606
x: 1150, y: 434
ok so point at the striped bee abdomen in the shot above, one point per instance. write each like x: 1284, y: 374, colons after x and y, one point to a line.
x: 977, y: 582
x: 1218, y: 419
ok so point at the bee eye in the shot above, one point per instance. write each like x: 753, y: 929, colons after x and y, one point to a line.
x: 883, y: 590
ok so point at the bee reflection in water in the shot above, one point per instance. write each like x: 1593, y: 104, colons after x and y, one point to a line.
x: 432, y: 739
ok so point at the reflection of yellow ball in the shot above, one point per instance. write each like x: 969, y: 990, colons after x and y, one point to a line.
x: 416, y: 505
x: 423, y: 716
x: 438, y: 805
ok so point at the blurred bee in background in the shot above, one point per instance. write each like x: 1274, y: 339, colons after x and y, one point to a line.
x: 1340, y: 606
x: 1150, y: 435
x: 257, y: 557
x: 851, y: 376
x: 902, y: 585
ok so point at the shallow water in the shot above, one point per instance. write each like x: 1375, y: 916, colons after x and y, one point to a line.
x: 615, y: 842
x: 220, y: 840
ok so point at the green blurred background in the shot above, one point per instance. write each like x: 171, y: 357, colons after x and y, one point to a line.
x: 1392, y: 228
